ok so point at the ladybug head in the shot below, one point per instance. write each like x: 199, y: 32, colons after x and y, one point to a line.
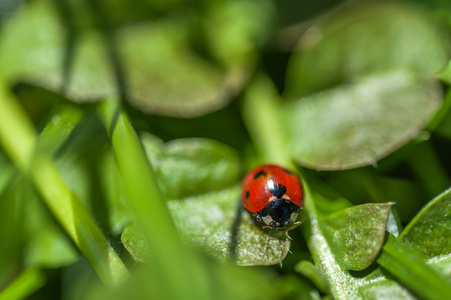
x: 279, y: 214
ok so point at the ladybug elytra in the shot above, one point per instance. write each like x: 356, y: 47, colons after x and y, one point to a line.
x: 273, y: 195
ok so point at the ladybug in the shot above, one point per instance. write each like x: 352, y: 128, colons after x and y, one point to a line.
x: 273, y: 195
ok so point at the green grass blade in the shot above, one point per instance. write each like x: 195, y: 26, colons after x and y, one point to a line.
x: 411, y: 270
x: 28, y: 282
x: 18, y: 139
x: 262, y: 118
x: 175, y: 271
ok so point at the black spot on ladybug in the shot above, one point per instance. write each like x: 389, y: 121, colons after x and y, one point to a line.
x: 277, y: 190
x: 247, y: 194
x: 287, y: 171
x: 259, y: 173
x: 282, y: 191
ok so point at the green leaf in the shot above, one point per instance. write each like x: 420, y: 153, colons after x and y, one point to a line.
x: 147, y: 204
x: 134, y: 241
x: 119, y: 214
x: 205, y: 221
x: 361, y: 39
x: 188, y: 167
x: 428, y: 233
x: 357, y: 234
x: 12, y: 206
x: 200, y: 178
x: 339, y: 243
x: 309, y: 270
x: 236, y: 29
x: 166, y: 78
x: 162, y: 68
x: 420, y: 257
x: 356, y: 125
x: 411, y: 270
x: 263, y: 118
x: 47, y: 247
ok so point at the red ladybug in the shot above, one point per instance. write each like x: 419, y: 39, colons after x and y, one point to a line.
x: 273, y: 195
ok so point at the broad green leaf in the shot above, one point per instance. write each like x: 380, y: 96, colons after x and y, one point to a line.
x: 360, y: 39
x: 205, y: 221
x: 167, y: 78
x: 189, y: 167
x: 338, y: 243
x: 411, y: 270
x: 236, y: 29
x: 33, y: 47
x: 423, y: 243
x: 428, y: 233
x: 357, y: 234
x: 201, y: 179
x: 164, y: 74
x: 356, y: 125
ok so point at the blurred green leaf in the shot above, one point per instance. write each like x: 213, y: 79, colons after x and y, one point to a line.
x: 12, y: 206
x: 7, y: 172
x: 28, y: 282
x: 47, y: 247
x: 166, y: 78
x: 361, y: 83
x: 236, y: 30
x: 356, y: 125
x: 164, y: 74
x: 188, y: 167
x: 362, y: 39
x: 229, y: 282
x: 134, y: 241
x: 293, y: 287
x: 310, y: 271
x: 119, y: 214
x: 18, y: 139
x: 166, y: 253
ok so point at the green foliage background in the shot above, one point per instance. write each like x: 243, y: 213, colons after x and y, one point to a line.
x: 127, y: 126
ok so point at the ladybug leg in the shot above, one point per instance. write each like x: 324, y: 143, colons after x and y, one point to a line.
x: 289, y: 237
x: 235, y: 230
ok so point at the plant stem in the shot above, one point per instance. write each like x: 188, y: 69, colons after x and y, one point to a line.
x: 263, y: 120
x: 28, y: 282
